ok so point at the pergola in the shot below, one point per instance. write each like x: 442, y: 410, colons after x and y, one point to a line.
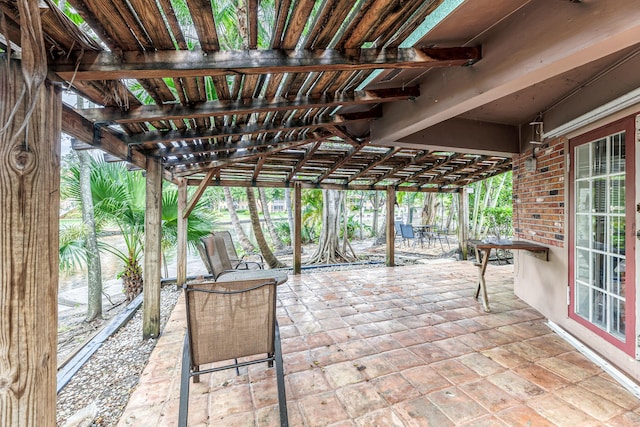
x: 393, y: 95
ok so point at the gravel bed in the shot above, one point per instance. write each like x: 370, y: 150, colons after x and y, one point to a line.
x: 99, y: 392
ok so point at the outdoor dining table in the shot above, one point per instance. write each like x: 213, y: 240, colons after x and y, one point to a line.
x: 483, y: 250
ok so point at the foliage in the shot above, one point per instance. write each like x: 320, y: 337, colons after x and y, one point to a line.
x: 71, y: 249
x: 312, y: 203
x: 199, y: 225
x: 499, y: 220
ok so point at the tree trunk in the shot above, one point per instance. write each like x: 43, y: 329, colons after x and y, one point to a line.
x: 246, y: 244
x: 275, y: 239
x: 94, y: 270
x: 429, y: 208
x: 289, y: 207
x: 361, y: 215
x: 376, y: 208
x: 328, y: 251
x: 269, y: 257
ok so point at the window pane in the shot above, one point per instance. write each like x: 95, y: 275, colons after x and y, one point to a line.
x: 617, y: 233
x: 582, y: 231
x: 583, y: 165
x: 617, y: 310
x: 618, y: 276
x: 599, y: 195
x: 582, y: 266
x: 618, y: 154
x: 616, y: 194
x: 599, y: 237
x: 598, y: 266
x: 583, y: 196
x: 582, y: 301
x: 599, y: 308
x: 599, y: 154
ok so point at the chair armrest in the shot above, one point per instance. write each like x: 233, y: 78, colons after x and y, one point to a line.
x: 246, y: 256
x: 249, y: 265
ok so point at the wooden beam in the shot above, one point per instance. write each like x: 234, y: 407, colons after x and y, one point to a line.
x: 29, y: 203
x: 219, y: 160
x: 152, y: 250
x: 146, y: 113
x: 181, y: 246
x: 193, y: 63
x: 311, y: 185
x: 199, y: 191
x: 228, y: 146
x: 83, y: 129
x: 297, y: 228
x: 390, y: 229
x: 152, y: 138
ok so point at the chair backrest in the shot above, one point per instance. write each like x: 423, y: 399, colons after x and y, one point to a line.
x: 228, y: 320
x: 230, y: 247
x: 215, y: 249
x: 398, y: 227
x: 407, y: 231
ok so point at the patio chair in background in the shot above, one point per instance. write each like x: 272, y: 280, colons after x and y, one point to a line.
x: 227, y: 321
x: 218, y: 258
x: 409, y: 236
x: 233, y: 254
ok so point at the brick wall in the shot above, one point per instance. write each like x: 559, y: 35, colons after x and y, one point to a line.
x: 539, y: 207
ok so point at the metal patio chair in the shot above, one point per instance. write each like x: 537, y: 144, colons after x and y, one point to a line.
x: 217, y: 256
x: 228, y: 321
x: 233, y: 254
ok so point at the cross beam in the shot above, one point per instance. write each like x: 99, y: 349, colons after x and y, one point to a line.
x: 196, y: 63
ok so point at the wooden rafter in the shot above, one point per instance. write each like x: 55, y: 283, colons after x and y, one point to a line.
x: 146, y: 113
x: 417, y: 159
x: 219, y: 160
x: 390, y: 153
x: 348, y: 155
x: 192, y: 63
x: 439, y: 163
x: 308, y: 155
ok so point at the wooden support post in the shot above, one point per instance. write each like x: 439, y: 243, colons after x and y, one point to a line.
x: 29, y: 211
x: 391, y: 231
x: 463, y: 221
x: 297, y: 228
x: 152, y: 250
x: 181, y: 274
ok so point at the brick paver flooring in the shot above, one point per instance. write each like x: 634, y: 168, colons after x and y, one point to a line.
x: 403, y: 346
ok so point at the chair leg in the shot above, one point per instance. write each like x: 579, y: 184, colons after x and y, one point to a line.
x: 282, y: 395
x: 184, y: 385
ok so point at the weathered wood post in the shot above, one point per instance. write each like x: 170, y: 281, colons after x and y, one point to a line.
x: 463, y: 221
x: 152, y: 250
x: 297, y: 228
x: 181, y: 274
x: 391, y: 230
x: 29, y: 211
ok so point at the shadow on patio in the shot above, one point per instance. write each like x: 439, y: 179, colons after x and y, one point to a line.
x: 393, y: 347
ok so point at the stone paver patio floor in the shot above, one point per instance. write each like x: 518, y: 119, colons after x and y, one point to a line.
x: 402, y: 346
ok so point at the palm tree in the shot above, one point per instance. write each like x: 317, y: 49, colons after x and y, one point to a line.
x: 269, y: 257
x: 199, y: 225
x: 119, y: 199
